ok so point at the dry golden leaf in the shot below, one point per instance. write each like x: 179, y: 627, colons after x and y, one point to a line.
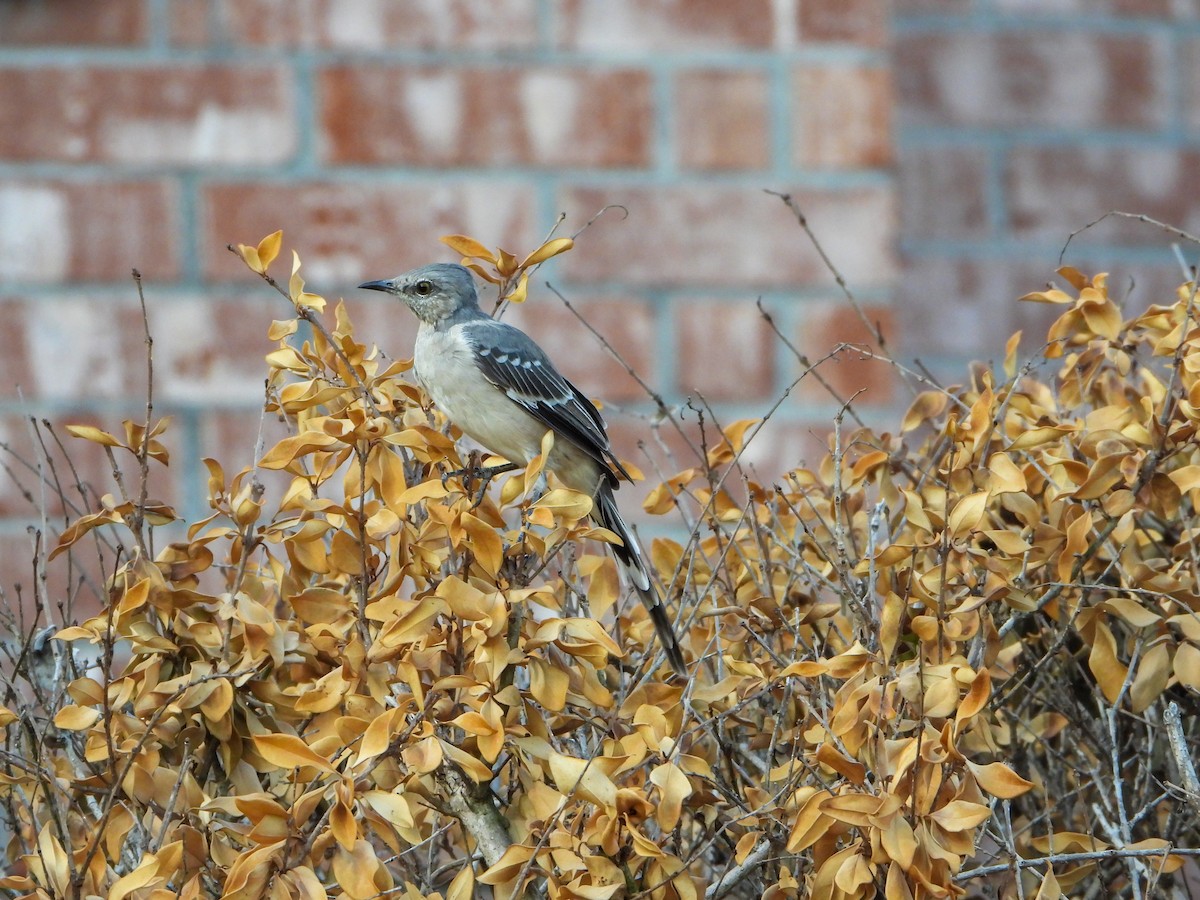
x: 977, y: 697
x: 391, y: 806
x: 93, y: 434
x: 268, y: 249
x: 289, y: 752
x: 76, y: 718
x: 960, y: 815
x: 967, y: 514
x: 1187, y: 665
x: 1049, y: 889
x: 520, y: 292
x: 468, y: 247
x: 140, y: 877
x: 675, y: 788
x: 1153, y: 674
x: 548, y: 684
x: 485, y: 542
x: 1110, y: 672
x: 462, y: 887
x: 1132, y: 611
x: 584, y: 778
x: 999, y: 780
x: 355, y: 869
x: 548, y: 250
x: 927, y: 405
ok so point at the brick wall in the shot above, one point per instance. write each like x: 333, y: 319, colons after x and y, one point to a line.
x: 151, y: 133
x: 1020, y: 121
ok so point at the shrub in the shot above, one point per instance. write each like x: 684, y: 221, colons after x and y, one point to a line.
x: 949, y: 656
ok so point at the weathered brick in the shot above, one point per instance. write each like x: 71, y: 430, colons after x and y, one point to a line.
x: 80, y: 347
x: 711, y: 234
x: 943, y: 7
x: 843, y: 117
x: 485, y: 117
x: 1033, y: 78
x: 72, y: 22
x: 380, y: 24
x: 1190, y: 84
x: 1052, y: 191
x: 943, y: 191
x: 722, y: 119
x: 827, y: 326
x: 182, y: 115
x: 54, y: 231
x: 627, y: 26
x: 348, y: 232
x: 190, y: 22
x: 210, y: 349
x: 853, y: 21
x: 627, y: 324
x: 1142, y: 9
x: 724, y: 350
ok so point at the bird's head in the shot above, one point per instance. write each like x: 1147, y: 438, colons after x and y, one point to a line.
x: 435, y: 293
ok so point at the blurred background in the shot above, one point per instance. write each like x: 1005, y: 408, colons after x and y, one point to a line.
x: 942, y: 150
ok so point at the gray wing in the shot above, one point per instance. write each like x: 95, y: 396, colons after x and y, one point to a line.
x: 511, y: 361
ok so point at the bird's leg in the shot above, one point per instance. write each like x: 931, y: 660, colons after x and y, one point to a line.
x: 485, y: 475
x: 475, y: 470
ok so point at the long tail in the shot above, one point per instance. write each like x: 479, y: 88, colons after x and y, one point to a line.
x: 633, y: 560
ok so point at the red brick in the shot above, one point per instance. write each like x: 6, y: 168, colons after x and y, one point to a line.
x: 851, y: 21
x: 626, y: 26
x: 452, y: 117
x: 721, y: 119
x: 346, y: 233
x: 943, y: 7
x: 78, y: 347
x: 703, y: 234
x: 380, y: 24
x: 724, y: 350
x: 72, y: 22
x: 1142, y: 9
x: 1033, y: 78
x: 54, y: 231
x: 209, y: 349
x: 190, y: 22
x: 943, y: 191
x: 843, y: 117
x: 825, y: 327
x: 627, y: 324
x: 1190, y: 80
x: 1053, y: 191
x: 178, y: 115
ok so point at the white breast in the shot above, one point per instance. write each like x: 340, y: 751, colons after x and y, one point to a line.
x: 446, y: 368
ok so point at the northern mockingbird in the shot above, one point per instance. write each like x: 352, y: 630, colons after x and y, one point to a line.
x: 500, y: 388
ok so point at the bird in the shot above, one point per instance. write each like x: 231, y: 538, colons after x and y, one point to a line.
x: 500, y: 388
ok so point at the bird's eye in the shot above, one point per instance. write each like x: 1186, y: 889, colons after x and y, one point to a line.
x: 424, y: 288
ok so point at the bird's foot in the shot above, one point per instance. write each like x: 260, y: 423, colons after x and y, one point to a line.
x: 474, y: 471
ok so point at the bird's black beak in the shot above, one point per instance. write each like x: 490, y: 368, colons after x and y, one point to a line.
x: 378, y: 286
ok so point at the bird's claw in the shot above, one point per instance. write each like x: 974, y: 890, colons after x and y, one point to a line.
x: 472, y: 472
